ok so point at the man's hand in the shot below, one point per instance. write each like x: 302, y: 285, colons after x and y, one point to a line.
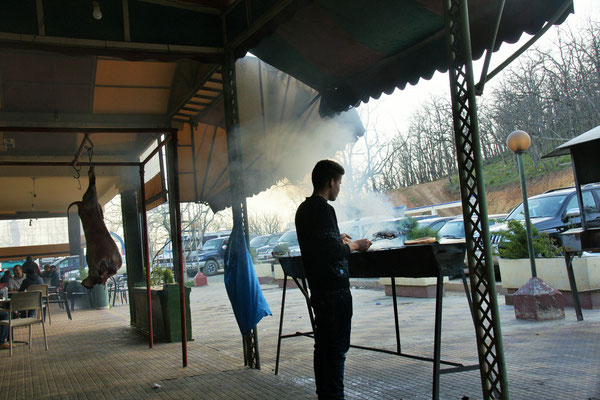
x: 360, y: 245
x: 346, y: 238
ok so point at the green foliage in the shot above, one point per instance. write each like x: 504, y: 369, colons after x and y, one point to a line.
x: 189, y: 283
x: 425, y: 231
x: 412, y: 230
x: 253, y: 254
x: 160, y: 276
x: 513, y: 244
x: 407, y: 225
x: 83, y: 273
x: 281, y: 249
x: 167, y: 276
x: 497, y: 173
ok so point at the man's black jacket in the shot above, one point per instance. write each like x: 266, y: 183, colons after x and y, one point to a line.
x: 324, y: 255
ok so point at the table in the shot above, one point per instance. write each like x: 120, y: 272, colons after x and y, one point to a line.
x: 415, y: 261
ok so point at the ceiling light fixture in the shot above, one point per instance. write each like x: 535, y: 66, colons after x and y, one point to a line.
x: 97, y: 14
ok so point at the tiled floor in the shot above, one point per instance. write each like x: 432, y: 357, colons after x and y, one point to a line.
x: 98, y: 355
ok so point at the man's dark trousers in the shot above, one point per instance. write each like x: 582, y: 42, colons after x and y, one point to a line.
x: 333, y: 317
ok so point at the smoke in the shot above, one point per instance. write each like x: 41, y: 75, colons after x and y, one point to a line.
x: 351, y: 206
x: 283, y: 136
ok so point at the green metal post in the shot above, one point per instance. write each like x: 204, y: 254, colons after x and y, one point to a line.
x: 466, y: 132
x: 238, y: 201
x: 132, y: 235
x: 526, y: 212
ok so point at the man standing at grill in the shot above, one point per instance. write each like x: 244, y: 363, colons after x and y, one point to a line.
x: 325, y: 257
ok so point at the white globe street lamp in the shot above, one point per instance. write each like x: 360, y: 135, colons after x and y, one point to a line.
x: 518, y: 142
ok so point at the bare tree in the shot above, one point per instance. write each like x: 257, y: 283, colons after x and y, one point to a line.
x: 364, y: 160
x: 553, y: 94
x: 265, y: 223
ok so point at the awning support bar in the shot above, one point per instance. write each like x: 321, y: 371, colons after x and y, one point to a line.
x: 522, y: 49
x: 488, y: 53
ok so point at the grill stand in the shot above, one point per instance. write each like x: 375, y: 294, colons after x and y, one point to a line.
x: 437, y: 361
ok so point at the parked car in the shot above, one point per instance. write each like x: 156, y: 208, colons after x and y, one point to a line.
x: 259, y: 241
x: 68, y: 267
x: 388, y: 233
x: 359, y: 228
x: 452, y: 229
x: 209, y: 260
x: 556, y: 211
x: 287, y: 244
x: 435, y: 223
x: 263, y: 253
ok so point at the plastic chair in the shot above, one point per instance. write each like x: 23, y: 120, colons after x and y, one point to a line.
x: 57, y: 296
x: 25, y: 301
x: 42, y: 287
x: 117, y: 287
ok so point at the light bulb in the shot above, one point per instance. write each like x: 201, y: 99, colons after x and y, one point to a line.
x: 97, y: 14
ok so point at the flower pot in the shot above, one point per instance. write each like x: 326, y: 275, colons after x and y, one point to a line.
x: 553, y: 271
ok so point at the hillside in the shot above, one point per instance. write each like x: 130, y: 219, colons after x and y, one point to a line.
x: 500, y: 199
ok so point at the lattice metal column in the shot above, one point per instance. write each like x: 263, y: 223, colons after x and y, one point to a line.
x: 481, y: 270
x: 238, y: 203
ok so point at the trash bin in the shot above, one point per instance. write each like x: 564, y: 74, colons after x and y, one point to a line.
x: 99, y: 297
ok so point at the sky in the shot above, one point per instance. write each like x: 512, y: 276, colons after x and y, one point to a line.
x: 392, y: 112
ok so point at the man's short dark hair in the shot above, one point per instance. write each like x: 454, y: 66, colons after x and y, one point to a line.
x: 30, y: 268
x: 324, y: 171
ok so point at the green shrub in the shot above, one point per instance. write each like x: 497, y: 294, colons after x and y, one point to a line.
x: 281, y: 250
x: 253, y: 254
x: 425, y: 231
x: 167, y: 276
x: 411, y: 228
x: 83, y: 273
x: 513, y: 243
x: 160, y: 275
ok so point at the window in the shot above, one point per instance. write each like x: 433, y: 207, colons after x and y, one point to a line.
x: 547, y: 206
x: 453, y: 230
x: 290, y: 238
x: 589, y: 203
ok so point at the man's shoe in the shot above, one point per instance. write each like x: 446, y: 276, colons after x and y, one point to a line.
x: 4, y: 346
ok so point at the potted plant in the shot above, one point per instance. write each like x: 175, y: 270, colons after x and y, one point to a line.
x: 513, y: 243
x: 513, y: 259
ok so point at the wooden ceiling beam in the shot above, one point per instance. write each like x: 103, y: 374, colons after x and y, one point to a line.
x: 82, y: 120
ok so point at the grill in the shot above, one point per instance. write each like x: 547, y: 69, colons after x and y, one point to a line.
x: 415, y: 261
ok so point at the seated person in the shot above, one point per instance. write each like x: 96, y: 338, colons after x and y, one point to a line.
x: 4, y: 332
x: 54, y: 278
x: 17, y: 279
x: 32, y: 278
x: 6, y: 277
x: 47, y: 273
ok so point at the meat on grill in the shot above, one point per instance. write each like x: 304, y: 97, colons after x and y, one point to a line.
x: 103, y: 257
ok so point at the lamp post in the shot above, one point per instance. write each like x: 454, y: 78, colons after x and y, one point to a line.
x: 518, y: 142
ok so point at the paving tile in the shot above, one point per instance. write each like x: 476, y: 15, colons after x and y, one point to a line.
x: 98, y: 355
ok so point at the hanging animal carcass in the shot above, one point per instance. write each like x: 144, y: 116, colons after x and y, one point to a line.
x: 103, y: 257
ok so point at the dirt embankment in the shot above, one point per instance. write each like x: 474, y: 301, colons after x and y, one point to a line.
x: 499, y: 200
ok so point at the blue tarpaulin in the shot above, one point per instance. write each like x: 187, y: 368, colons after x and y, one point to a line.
x: 249, y: 304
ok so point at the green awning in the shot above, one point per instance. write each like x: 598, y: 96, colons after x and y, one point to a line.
x: 356, y: 50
